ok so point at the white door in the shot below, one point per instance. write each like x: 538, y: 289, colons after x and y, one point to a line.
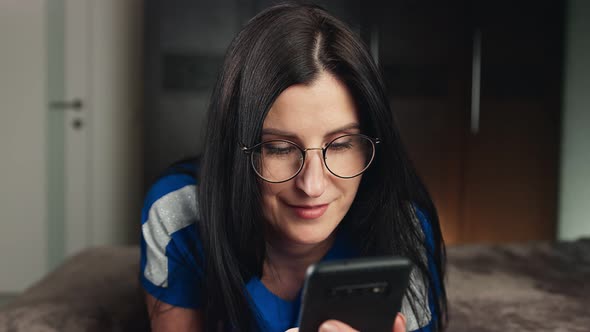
x: 70, y: 131
x: 77, y: 108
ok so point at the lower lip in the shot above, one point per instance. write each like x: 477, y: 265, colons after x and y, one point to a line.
x: 311, y: 212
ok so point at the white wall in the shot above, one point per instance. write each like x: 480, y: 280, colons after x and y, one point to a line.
x: 574, y: 204
x: 23, y: 114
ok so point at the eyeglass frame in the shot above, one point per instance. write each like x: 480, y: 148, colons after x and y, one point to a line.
x: 248, y: 150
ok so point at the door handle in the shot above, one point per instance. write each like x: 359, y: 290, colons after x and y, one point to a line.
x: 64, y: 105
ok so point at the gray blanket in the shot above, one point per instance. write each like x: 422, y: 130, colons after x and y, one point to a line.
x: 526, y: 287
x: 96, y: 290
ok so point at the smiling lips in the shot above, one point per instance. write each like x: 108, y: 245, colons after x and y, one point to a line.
x: 309, y: 212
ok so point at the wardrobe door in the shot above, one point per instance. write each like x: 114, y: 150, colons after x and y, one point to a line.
x: 423, y: 47
x: 511, y: 160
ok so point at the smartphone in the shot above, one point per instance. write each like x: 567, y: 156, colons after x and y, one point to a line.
x: 365, y: 293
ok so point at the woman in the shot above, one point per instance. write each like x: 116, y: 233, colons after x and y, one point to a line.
x: 303, y: 162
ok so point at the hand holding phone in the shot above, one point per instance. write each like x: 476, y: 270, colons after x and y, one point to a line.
x: 399, y: 326
x: 363, y: 293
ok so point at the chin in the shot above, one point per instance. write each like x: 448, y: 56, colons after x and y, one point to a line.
x: 314, y: 234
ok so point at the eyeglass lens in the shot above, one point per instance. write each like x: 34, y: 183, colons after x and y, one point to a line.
x: 346, y: 156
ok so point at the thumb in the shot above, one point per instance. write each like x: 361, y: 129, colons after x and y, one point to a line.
x: 335, y: 326
x: 400, y: 323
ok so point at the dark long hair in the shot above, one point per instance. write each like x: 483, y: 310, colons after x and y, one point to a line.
x: 285, y: 45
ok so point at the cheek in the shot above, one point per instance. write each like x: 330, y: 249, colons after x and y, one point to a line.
x: 350, y: 188
x: 270, y: 193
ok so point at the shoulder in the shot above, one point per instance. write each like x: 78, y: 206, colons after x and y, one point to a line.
x: 170, y: 206
x: 423, y: 220
x: 175, y: 189
x: 169, y: 238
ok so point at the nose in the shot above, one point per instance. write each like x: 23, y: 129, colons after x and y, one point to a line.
x: 312, y: 178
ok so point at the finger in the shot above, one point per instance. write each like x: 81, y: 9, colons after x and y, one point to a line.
x: 293, y: 330
x: 335, y: 326
x: 400, y: 323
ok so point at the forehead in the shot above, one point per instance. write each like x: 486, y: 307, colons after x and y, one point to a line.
x: 319, y: 107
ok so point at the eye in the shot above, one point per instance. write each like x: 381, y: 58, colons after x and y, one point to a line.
x: 278, y: 148
x: 341, y: 145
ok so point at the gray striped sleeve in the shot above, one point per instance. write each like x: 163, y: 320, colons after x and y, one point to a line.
x: 172, y: 212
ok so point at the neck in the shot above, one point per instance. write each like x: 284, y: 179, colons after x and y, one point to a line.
x: 285, y: 265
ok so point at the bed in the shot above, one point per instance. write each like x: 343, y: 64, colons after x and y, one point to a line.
x: 519, y: 287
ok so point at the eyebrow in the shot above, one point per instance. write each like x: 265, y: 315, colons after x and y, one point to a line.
x: 278, y: 132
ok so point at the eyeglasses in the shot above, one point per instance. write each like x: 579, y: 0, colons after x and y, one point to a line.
x: 279, y: 160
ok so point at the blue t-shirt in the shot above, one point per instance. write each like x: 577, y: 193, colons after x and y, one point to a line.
x: 171, y: 273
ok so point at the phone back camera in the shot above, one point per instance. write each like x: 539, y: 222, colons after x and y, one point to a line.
x: 375, y: 289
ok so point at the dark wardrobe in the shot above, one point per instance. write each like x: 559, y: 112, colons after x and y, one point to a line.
x: 476, y: 86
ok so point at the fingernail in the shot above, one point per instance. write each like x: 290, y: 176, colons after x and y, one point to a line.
x: 328, y: 327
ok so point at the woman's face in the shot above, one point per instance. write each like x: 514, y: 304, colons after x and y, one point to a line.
x: 307, y: 208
